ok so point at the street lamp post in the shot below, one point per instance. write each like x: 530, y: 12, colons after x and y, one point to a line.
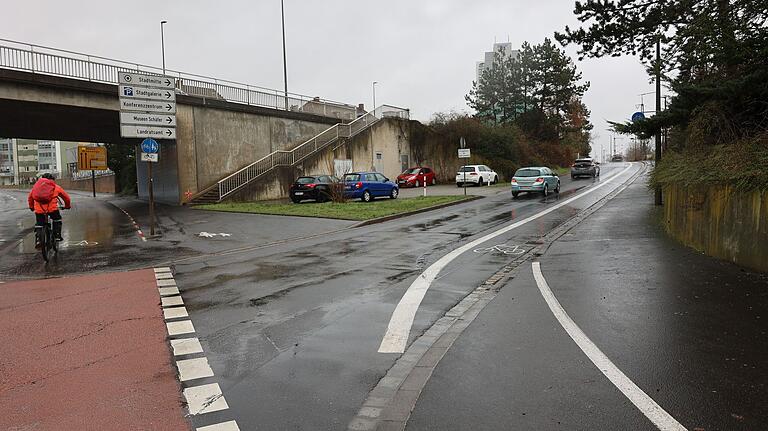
x: 374, y: 97
x: 162, y: 43
x: 285, y: 61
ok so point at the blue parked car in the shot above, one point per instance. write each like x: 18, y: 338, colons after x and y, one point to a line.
x: 535, y: 179
x: 368, y: 185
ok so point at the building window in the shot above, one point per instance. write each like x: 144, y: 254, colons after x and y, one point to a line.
x: 44, y: 166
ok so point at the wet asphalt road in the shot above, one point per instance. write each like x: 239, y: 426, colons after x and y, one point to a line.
x: 290, y: 312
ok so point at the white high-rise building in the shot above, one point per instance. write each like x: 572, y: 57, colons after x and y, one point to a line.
x: 489, y: 58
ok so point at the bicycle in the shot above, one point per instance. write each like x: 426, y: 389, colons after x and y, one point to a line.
x: 48, y: 243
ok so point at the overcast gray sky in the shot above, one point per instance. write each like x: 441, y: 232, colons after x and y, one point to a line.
x: 422, y: 52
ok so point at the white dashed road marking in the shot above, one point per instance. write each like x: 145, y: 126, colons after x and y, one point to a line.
x: 186, y: 346
x: 396, y: 337
x: 179, y: 328
x: 191, y: 369
x: 170, y: 301
x: 175, y: 312
x: 663, y: 420
x: 224, y: 426
x: 203, y: 398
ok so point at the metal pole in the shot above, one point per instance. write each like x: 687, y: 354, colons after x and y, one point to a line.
x: 374, y: 98
x: 285, y: 61
x: 657, y: 197
x: 162, y: 43
x: 93, y: 181
x: 151, y: 200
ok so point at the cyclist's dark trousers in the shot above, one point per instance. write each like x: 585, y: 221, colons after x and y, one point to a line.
x: 56, y: 217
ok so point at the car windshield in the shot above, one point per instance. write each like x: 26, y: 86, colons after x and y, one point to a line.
x: 352, y: 177
x: 412, y: 171
x: 467, y: 169
x: 305, y: 180
x: 527, y: 173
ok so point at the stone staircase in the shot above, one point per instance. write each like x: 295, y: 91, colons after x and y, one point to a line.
x: 230, y: 184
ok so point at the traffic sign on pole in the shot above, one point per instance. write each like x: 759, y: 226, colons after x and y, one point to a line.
x: 149, y: 145
x: 150, y: 157
x: 157, y: 81
x: 147, y: 119
x: 147, y: 93
x: 464, y: 153
x: 147, y: 106
x: 134, y: 131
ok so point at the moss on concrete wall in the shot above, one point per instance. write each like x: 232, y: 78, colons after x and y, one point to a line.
x: 721, y: 222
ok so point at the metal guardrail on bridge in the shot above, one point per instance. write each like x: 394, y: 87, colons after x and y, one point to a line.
x: 69, y: 64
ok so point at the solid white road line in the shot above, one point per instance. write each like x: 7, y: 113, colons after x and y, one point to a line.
x: 205, y: 399
x: 396, y: 337
x: 191, y: 369
x: 663, y: 420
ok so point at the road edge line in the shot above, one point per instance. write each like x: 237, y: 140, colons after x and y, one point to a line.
x: 654, y: 412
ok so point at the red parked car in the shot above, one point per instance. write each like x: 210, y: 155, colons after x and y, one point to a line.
x: 416, y: 177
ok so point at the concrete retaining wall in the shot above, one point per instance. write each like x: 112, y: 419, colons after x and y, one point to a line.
x: 720, y: 222
x: 104, y: 184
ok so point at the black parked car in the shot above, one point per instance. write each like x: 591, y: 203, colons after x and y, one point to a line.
x: 313, y: 187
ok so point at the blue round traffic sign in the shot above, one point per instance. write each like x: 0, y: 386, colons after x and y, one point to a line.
x: 149, y: 145
x: 637, y: 116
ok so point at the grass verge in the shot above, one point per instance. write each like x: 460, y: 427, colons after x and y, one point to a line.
x: 352, y: 210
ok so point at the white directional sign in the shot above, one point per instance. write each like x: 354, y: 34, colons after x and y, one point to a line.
x: 147, y: 119
x: 147, y: 93
x: 463, y: 153
x: 156, y: 81
x: 134, y: 131
x: 147, y: 106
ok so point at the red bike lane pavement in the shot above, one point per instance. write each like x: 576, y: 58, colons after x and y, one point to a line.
x: 87, y: 352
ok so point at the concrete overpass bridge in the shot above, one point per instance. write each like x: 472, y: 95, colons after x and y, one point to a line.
x: 226, y: 131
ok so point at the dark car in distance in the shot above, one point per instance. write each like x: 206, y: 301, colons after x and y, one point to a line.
x: 585, y: 167
x: 314, y: 187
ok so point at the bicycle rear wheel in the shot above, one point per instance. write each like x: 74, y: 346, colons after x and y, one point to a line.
x: 43, y: 237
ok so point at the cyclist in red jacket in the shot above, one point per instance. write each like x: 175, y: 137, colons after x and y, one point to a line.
x: 44, y: 199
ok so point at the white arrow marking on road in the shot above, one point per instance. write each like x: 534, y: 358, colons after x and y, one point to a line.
x: 396, y: 337
x: 663, y: 420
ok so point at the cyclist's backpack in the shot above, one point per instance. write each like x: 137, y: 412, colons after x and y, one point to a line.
x: 43, y: 190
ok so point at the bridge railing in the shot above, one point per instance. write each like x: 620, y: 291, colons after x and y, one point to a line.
x: 234, y: 182
x: 69, y: 64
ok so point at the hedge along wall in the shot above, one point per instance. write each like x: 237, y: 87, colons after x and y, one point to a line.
x: 721, y: 222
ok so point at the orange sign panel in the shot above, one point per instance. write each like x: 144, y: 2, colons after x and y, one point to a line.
x: 91, y: 158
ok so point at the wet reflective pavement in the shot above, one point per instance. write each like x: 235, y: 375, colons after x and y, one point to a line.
x: 291, y: 312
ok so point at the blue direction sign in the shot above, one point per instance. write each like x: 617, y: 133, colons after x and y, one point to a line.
x: 149, y: 145
x: 637, y: 116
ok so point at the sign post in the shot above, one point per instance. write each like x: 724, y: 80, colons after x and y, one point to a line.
x: 149, y: 149
x: 464, y: 154
x: 91, y: 159
x: 147, y: 110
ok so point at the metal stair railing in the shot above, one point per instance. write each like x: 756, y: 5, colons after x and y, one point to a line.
x: 242, y: 177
